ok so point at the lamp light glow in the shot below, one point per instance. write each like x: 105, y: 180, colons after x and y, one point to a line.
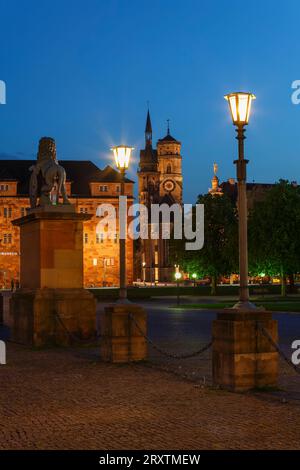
x: 178, y: 275
x: 240, y: 107
x: 194, y: 275
x: 122, y: 154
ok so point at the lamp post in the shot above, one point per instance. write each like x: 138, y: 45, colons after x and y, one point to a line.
x: 194, y: 276
x: 240, y: 106
x: 144, y: 272
x: 178, y: 277
x: 122, y: 155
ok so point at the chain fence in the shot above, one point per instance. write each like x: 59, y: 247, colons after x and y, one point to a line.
x: 71, y: 335
x: 172, y: 355
x: 277, y: 348
x: 169, y: 354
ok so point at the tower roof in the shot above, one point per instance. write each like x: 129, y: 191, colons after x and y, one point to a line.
x: 148, y: 123
x: 168, y: 137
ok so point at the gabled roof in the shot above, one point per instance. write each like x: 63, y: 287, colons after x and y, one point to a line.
x: 80, y: 172
x: 110, y: 175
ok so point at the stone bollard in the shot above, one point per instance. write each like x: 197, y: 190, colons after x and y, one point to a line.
x: 6, y: 318
x: 121, y: 340
x: 242, y: 357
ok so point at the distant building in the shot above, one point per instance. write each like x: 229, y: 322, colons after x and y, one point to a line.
x: 255, y: 191
x: 215, y: 188
x: 159, y: 181
x: 87, y: 187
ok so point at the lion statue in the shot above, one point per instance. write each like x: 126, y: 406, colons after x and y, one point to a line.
x: 52, y: 174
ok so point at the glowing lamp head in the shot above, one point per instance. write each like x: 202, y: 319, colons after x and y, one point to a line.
x: 178, y: 275
x: 122, y: 154
x: 194, y: 275
x: 240, y: 107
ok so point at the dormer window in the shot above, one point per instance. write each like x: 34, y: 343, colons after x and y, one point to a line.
x: 103, y: 189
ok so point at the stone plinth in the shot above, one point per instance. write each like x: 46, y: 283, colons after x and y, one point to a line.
x: 51, y: 246
x: 52, y: 280
x: 121, y: 340
x: 34, y: 316
x: 243, y: 357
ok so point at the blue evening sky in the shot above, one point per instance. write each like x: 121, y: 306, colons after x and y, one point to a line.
x: 82, y: 72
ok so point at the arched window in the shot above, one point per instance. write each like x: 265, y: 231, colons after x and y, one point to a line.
x: 169, y: 168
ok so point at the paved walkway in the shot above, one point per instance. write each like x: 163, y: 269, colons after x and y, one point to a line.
x: 68, y: 399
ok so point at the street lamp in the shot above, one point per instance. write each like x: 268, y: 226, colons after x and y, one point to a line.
x: 178, y: 277
x: 194, y: 276
x: 240, y: 106
x: 122, y: 154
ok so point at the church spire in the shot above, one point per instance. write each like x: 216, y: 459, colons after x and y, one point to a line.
x: 148, y: 130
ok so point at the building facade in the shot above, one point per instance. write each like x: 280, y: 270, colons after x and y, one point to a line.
x: 159, y: 182
x: 87, y: 188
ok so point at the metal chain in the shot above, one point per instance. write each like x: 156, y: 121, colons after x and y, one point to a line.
x: 70, y: 334
x: 280, y: 352
x: 166, y: 353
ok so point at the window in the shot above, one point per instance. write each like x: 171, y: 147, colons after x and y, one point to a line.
x: 118, y: 188
x: 7, y: 212
x: 86, y: 238
x: 3, y: 187
x: 7, y: 238
x: 103, y: 189
x: 169, y: 168
x: 97, y: 238
x: 101, y: 237
x: 83, y: 210
x: 116, y: 238
x: 23, y: 211
x: 109, y: 261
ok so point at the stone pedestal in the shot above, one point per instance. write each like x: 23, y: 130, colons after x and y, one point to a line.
x: 51, y: 279
x: 243, y: 357
x: 121, y: 339
x: 47, y: 317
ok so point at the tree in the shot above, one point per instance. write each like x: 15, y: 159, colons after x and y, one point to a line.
x: 219, y: 254
x: 274, y: 226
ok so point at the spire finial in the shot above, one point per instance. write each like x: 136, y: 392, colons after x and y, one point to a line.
x: 148, y: 129
x: 215, y: 168
x: 168, y: 128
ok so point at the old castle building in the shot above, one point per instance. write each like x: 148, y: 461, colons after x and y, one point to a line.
x: 159, y: 181
x: 87, y: 187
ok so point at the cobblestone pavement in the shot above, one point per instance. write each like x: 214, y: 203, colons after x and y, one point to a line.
x: 68, y: 399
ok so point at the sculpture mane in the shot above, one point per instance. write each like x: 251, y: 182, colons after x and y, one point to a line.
x: 53, y: 175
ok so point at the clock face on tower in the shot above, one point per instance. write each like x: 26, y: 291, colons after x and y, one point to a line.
x: 169, y: 185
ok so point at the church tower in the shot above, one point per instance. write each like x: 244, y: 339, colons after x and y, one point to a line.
x: 169, y: 167
x: 148, y: 176
x: 159, y: 181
